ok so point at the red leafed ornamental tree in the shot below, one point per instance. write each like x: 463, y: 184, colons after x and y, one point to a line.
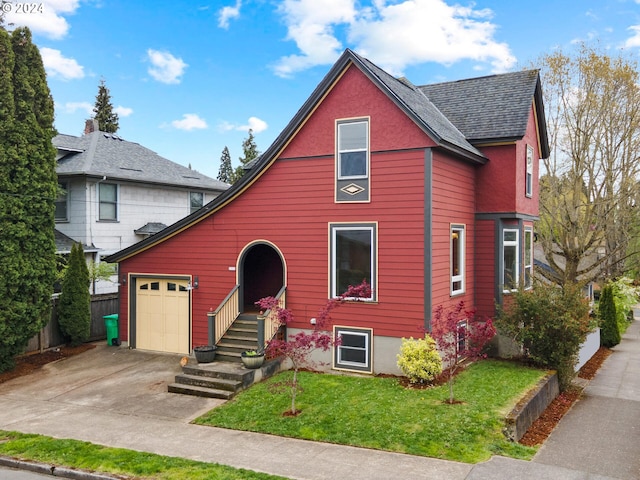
x: 459, y: 336
x: 298, y: 348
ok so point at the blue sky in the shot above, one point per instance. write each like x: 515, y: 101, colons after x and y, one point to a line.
x: 191, y: 77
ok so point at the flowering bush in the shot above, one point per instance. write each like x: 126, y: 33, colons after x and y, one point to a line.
x: 299, y: 347
x: 419, y: 360
x: 459, y: 335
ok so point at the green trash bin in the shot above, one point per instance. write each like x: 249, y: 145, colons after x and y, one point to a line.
x: 111, y: 324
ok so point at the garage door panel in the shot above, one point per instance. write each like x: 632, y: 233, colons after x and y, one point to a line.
x: 162, y: 315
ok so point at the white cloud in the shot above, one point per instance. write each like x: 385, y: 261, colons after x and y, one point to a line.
x: 72, y: 107
x: 311, y: 26
x: 123, y: 111
x: 190, y: 121
x: 58, y: 66
x: 229, y: 13
x: 165, y: 67
x: 44, y: 18
x: 392, y: 33
x: 255, y: 124
x: 634, y: 40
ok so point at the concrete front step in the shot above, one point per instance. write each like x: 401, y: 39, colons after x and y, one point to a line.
x: 231, y: 385
x: 220, y: 379
x: 197, y: 391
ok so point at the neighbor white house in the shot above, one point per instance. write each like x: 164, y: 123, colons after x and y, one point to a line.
x: 114, y: 193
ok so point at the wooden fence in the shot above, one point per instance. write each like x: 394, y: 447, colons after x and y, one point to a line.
x: 51, y: 336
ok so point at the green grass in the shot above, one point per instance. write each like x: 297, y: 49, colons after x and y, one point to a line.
x: 118, y: 461
x: 379, y: 413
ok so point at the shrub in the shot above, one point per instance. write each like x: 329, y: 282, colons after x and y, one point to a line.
x: 74, y: 309
x: 459, y: 335
x: 609, y: 326
x: 551, y: 323
x: 625, y: 296
x: 419, y: 360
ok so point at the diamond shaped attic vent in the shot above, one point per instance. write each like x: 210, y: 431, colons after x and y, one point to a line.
x: 352, y: 189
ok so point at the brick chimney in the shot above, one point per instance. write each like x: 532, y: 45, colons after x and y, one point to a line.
x: 91, y: 125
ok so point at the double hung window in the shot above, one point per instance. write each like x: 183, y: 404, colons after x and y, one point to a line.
x: 108, y: 201
x: 510, y: 263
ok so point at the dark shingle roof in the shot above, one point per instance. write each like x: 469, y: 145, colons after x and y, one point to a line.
x: 424, y: 111
x: 490, y: 108
x: 104, y: 154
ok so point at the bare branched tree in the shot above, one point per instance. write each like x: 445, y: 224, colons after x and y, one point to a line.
x: 589, y: 191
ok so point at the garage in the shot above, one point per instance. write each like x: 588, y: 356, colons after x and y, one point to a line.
x: 161, y: 321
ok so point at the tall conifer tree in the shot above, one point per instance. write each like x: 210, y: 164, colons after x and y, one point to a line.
x: 74, y: 310
x: 28, y: 188
x: 250, y: 152
x: 226, y: 171
x: 103, y: 110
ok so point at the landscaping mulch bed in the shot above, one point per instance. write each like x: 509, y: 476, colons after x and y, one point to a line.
x: 28, y: 363
x: 544, y: 425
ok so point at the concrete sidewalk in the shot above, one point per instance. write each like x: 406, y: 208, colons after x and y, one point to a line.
x: 118, y: 397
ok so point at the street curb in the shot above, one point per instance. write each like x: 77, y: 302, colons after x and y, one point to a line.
x: 53, y: 470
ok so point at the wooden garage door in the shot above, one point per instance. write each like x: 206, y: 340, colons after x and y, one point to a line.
x: 162, y: 315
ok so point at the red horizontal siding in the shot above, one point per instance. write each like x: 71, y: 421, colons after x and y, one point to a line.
x: 453, y: 202
x: 485, y: 267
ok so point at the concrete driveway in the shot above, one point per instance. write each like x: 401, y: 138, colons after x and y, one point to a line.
x: 113, y: 380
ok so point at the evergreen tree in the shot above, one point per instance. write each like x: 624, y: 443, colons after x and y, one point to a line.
x: 28, y: 188
x: 74, y: 309
x: 103, y: 110
x: 226, y: 171
x: 609, y: 330
x: 250, y: 152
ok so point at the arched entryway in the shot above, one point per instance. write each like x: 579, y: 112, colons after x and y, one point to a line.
x: 262, y: 274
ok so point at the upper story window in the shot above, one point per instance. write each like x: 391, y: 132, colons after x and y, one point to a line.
x: 196, y: 201
x: 353, y: 149
x: 62, y: 203
x: 510, y: 263
x: 108, y: 201
x: 457, y: 259
x: 352, y: 160
x: 353, y: 257
x: 529, y: 172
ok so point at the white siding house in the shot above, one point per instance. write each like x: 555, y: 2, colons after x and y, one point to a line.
x: 115, y: 193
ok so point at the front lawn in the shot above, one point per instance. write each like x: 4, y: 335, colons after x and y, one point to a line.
x: 379, y: 413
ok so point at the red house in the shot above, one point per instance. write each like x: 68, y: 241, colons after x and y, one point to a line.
x: 429, y: 193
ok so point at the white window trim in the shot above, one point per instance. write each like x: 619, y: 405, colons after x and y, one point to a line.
x: 117, y: 202
x: 460, y: 228
x: 338, y: 364
x: 336, y: 227
x: 367, y: 149
x: 528, y: 259
x: 511, y: 243
x: 528, y: 186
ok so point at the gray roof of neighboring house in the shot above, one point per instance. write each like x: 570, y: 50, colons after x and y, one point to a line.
x: 492, y: 108
x: 150, y: 228
x: 102, y: 154
x: 64, y: 243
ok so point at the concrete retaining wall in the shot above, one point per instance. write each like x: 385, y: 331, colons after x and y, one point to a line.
x: 530, y: 407
x: 588, y: 348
